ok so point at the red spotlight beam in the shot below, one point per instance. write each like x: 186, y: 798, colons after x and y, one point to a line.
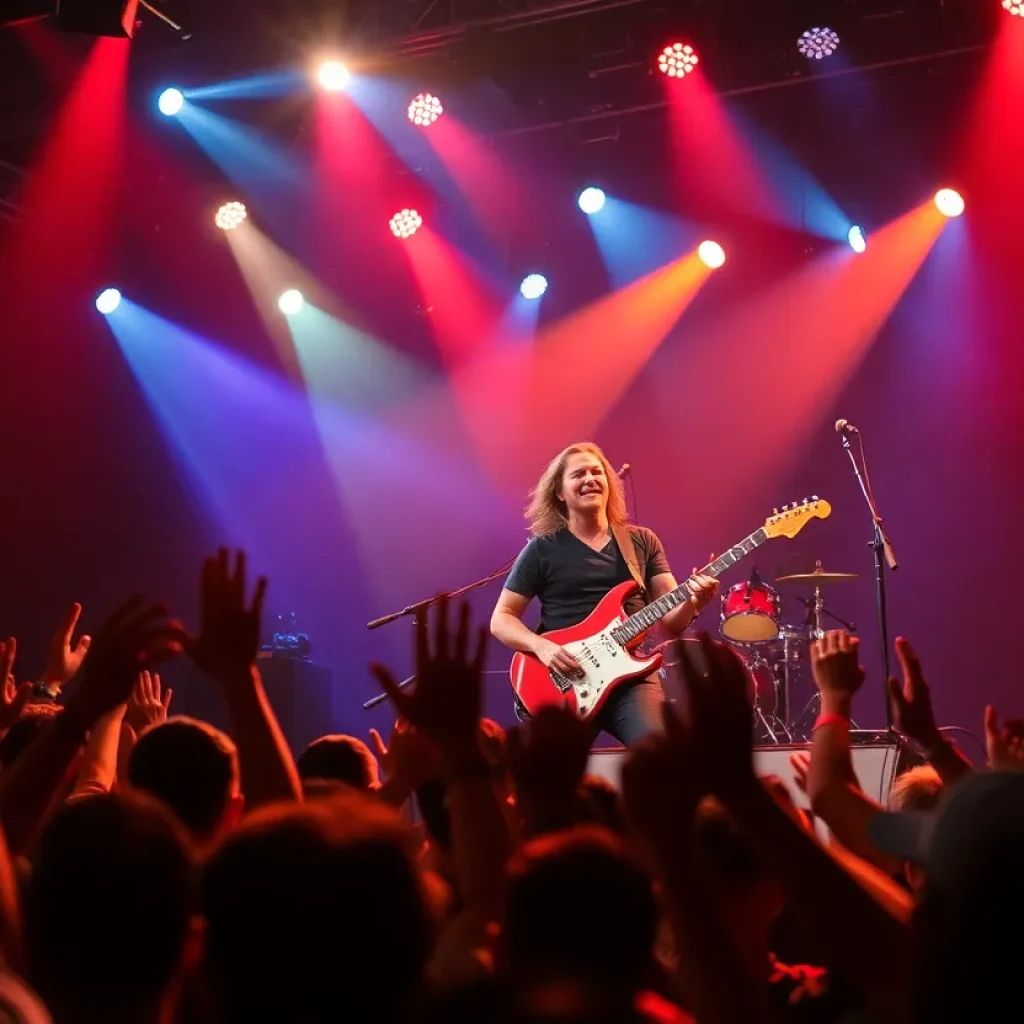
x: 520, y: 400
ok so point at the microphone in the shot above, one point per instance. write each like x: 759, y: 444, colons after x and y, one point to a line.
x: 626, y: 467
x: 845, y: 427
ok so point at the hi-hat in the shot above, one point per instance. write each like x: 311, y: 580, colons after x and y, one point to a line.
x: 818, y: 578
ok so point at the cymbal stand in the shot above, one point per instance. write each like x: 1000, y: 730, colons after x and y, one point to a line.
x: 815, y: 610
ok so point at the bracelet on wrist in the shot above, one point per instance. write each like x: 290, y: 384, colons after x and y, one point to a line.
x: 830, y: 719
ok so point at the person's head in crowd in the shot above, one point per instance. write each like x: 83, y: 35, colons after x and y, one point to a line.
x: 193, y: 769
x: 323, y: 789
x: 341, y: 758
x: 109, y: 911
x: 971, y: 848
x: 311, y: 907
x: 917, y: 789
x: 556, y: 930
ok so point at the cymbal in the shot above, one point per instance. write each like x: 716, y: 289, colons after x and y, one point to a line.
x: 818, y: 578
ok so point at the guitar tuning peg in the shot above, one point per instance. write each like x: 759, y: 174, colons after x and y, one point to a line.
x: 814, y: 497
x: 806, y: 501
x: 775, y: 511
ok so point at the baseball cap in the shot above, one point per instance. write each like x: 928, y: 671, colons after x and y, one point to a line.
x: 981, y: 812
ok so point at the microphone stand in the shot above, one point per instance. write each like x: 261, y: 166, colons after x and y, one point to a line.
x: 884, y: 555
x: 415, y: 609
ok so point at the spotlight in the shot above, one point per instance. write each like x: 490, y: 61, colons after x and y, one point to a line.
x: 230, y: 215
x: 170, y: 102
x: 949, y: 202
x: 1014, y: 7
x: 818, y: 43
x: 333, y: 76
x: 425, y: 109
x: 591, y: 200
x: 291, y: 302
x: 711, y: 254
x: 108, y: 300
x: 677, y: 60
x: 533, y: 286
x: 855, y: 236
x: 405, y: 223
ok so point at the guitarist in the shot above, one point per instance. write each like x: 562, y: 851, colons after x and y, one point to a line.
x: 572, y: 560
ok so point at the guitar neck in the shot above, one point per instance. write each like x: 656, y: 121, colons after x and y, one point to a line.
x: 644, y: 619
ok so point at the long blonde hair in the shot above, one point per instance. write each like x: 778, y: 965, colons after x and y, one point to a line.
x: 547, y: 513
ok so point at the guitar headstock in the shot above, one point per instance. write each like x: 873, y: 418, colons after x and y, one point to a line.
x: 791, y: 519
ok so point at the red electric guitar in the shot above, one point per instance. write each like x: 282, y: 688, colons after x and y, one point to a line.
x: 604, y: 641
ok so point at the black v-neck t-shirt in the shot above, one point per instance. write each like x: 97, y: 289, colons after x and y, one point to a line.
x: 570, y: 578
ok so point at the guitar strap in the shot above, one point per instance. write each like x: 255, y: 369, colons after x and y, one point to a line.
x: 624, y: 539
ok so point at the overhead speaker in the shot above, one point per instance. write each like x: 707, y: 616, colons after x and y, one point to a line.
x: 114, y: 18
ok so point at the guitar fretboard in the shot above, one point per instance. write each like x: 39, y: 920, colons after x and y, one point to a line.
x: 644, y: 619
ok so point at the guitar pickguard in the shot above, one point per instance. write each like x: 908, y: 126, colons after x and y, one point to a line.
x: 604, y: 662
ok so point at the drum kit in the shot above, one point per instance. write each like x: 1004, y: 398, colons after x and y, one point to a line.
x: 777, y: 653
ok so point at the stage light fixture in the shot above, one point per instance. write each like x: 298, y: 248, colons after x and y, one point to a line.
x: 855, y: 236
x: 711, y: 254
x: 333, y: 76
x: 170, y: 102
x: 425, y: 109
x: 1014, y: 7
x: 230, y: 216
x: 291, y: 302
x: 677, y: 60
x: 818, y: 43
x: 108, y: 300
x: 533, y: 286
x: 591, y: 200
x: 949, y: 202
x: 405, y: 223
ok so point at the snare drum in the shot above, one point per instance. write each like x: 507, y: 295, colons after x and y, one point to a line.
x: 750, y: 613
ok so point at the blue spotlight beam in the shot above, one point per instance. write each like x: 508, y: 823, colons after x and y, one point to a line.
x: 263, y: 86
x: 272, y: 177
x: 634, y: 240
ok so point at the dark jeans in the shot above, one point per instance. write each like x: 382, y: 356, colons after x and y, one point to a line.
x: 633, y: 711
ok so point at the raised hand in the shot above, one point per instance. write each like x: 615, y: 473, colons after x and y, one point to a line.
x: 229, y: 631
x: 64, y: 656
x: 663, y: 783
x: 14, y: 697
x: 721, y: 717
x: 146, y: 704
x: 447, y: 697
x: 800, y: 762
x: 409, y: 758
x: 548, y: 756
x: 837, y: 672
x: 912, y: 713
x: 8, y: 654
x: 136, y: 637
x: 1004, y: 744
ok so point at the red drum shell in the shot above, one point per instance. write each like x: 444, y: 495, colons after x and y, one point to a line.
x: 750, y: 613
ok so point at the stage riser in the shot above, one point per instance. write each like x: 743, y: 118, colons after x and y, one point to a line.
x: 875, y: 765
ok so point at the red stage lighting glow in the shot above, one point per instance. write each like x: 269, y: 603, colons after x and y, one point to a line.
x: 1014, y: 7
x: 405, y: 223
x: 677, y: 60
x: 425, y: 109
